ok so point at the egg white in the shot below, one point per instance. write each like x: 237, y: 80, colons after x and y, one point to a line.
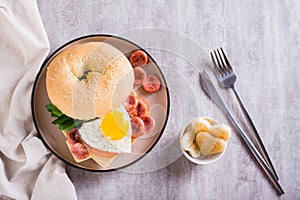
x: 92, y: 135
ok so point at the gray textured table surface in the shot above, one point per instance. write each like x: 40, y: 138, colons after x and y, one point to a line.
x: 262, y: 40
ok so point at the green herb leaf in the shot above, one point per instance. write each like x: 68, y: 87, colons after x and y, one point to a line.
x: 49, y: 107
x: 60, y: 119
x: 54, y: 115
x: 52, y: 108
x: 63, y: 121
x: 67, y: 125
x: 78, y: 123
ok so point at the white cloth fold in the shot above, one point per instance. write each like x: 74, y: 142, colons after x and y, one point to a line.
x: 27, y: 169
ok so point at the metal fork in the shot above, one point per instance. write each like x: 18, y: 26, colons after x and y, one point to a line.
x: 227, y: 78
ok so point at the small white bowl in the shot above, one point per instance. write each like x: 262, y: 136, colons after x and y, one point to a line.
x: 200, y: 160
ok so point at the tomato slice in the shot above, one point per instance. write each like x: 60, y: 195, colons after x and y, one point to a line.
x: 139, y: 75
x: 152, y: 83
x: 138, y: 58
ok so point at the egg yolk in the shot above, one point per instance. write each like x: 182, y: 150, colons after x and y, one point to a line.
x: 113, y: 126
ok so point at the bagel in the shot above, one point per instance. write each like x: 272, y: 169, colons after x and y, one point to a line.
x: 88, y: 80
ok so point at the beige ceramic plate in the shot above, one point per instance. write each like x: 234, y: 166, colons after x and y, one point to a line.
x: 54, y: 139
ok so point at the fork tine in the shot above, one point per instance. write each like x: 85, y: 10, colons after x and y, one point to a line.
x: 226, y: 60
x: 220, y: 66
x: 215, y: 65
x: 223, y: 64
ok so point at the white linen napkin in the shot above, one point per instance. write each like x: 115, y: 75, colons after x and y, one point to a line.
x: 27, y: 169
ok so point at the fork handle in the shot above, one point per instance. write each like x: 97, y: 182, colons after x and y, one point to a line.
x: 257, y: 137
